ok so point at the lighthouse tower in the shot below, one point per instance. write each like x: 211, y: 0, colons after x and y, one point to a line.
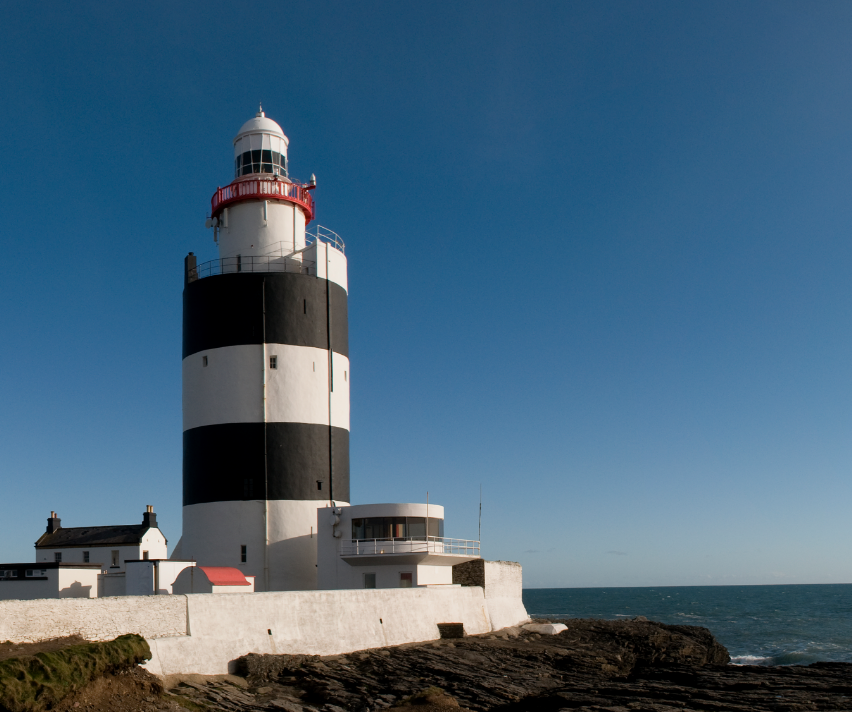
x: 265, y: 374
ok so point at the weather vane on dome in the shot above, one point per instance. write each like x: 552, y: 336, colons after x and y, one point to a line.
x: 260, y: 109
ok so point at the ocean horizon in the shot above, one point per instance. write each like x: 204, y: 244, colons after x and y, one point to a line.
x: 764, y: 624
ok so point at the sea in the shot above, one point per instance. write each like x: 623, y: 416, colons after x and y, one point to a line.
x: 759, y: 625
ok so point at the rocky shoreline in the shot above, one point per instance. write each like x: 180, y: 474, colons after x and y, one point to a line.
x: 617, y: 666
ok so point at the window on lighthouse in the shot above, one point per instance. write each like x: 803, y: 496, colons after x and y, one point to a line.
x: 260, y: 161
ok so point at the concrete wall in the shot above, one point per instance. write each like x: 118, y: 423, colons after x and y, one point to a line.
x: 502, y: 583
x: 225, y: 627
x: 93, y: 618
x: 112, y: 585
x: 147, y: 578
x: 57, y: 583
x: 205, y: 633
x: 433, y: 575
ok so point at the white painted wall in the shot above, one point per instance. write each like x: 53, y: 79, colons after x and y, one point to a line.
x: 230, y: 388
x: 166, y: 572
x: 434, y: 575
x: 214, y: 531
x: 503, y: 591
x: 311, y: 622
x: 148, y: 578
x: 330, y: 263
x: 77, y: 583
x: 204, y: 633
x: 153, y: 541
x: 94, y: 619
x: 62, y: 582
x: 248, y: 233
x: 110, y: 585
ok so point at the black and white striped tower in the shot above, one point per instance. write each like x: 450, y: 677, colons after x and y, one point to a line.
x: 265, y: 374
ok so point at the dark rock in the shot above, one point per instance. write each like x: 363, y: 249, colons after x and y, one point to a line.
x: 627, y: 666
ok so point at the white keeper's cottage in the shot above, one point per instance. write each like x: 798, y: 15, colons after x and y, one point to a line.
x: 109, y: 546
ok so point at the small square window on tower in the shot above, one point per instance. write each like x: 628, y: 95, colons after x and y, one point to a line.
x: 406, y: 580
x: 319, y: 485
x: 57, y: 556
x: 273, y: 362
x: 369, y: 580
x: 243, y: 553
x: 204, y: 361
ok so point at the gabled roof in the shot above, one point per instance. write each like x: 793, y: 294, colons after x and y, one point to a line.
x: 224, y: 576
x: 121, y: 534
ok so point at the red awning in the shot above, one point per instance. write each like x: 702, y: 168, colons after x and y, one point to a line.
x: 224, y: 576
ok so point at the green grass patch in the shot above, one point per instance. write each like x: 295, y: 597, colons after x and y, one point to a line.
x: 32, y: 683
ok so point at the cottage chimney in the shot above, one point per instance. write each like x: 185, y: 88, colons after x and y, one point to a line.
x: 53, y: 523
x: 149, y: 519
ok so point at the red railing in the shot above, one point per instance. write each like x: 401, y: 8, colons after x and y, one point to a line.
x: 262, y: 189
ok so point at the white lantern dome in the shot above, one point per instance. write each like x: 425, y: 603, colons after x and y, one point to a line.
x: 260, y: 147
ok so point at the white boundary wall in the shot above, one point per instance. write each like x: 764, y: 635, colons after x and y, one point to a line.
x: 503, y: 590
x: 92, y: 618
x: 224, y: 627
x: 206, y: 633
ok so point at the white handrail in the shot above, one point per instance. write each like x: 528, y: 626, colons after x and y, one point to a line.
x: 409, y: 545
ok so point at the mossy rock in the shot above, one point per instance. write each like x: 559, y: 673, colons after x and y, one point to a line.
x: 32, y: 683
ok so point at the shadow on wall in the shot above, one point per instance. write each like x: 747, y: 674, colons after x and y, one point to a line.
x: 298, y: 554
x: 76, y: 590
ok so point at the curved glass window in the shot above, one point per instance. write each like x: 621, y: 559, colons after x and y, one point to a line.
x: 413, y: 528
x: 260, y: 161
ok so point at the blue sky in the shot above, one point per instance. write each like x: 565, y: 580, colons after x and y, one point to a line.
x: 598, y: 252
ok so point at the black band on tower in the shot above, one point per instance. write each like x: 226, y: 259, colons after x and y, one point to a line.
x: 227, y: 310
x: 224, y: 463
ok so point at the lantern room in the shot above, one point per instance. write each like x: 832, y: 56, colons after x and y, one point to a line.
x: 260, y: 147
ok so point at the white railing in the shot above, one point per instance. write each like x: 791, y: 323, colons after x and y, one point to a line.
x: 409, y: 545
x: 251, y: 263
x: 323, y: 234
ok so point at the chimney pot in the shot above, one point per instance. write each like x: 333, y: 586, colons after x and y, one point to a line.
x: 53, y: 523
x: 149, y: 519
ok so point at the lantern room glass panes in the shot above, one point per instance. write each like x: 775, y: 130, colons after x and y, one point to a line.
x: 413, y: 528
x: 260, y: 153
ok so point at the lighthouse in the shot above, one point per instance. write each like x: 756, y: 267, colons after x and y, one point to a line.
x: 265, y: 373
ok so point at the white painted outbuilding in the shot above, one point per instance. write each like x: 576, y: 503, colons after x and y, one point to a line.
x: 387, y: 546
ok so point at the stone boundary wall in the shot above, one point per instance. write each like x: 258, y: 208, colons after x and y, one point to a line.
x: 95, y: 619
x: 470, y: 573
